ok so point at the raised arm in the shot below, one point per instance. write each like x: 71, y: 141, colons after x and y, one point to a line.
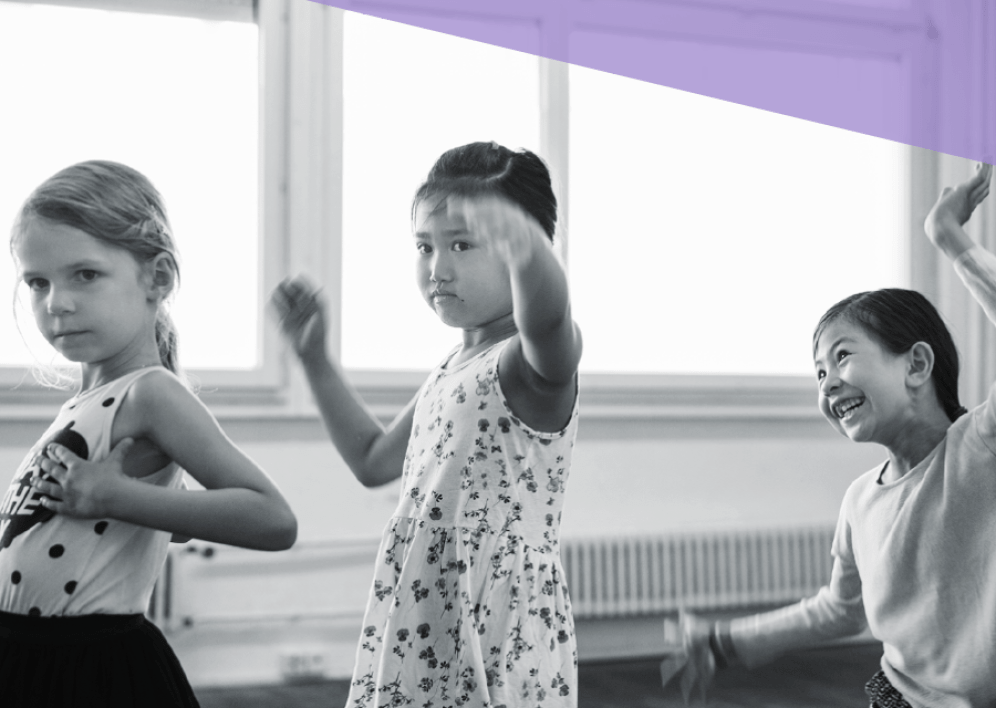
x: 944, y: 228
x: 551, y: 341
x: 373, y: 452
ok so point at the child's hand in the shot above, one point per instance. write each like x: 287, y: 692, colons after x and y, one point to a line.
x: 302, y: 316
x: 690, y: 661
x: 502, y: 226
x: 79, y: 488
x: 953, y: 208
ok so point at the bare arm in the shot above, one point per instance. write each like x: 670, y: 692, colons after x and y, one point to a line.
x: 240, y: 505
x: 945, y: 222
x: 551, y: 341
x: 539, y: 367
x: 373, y: 452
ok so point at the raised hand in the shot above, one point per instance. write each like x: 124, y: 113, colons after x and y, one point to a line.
x: 301, y: 313
x: 79, y: 488
x: 953, y: 208
x: 502, y: 226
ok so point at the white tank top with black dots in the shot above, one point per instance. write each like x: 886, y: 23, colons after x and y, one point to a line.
x: 54, y: 565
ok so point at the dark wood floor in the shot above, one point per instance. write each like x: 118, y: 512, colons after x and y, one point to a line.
x: 819, y: 678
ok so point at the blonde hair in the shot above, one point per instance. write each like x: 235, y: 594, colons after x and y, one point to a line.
x: 118, y: 205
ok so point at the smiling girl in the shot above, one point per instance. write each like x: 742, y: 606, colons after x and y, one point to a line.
x: 913, y: 551
x: 468, y: 604
x: 86, y: 521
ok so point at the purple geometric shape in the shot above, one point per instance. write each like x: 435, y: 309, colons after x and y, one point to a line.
x: 920, y: 72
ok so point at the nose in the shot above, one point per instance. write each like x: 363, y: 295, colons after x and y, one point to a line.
x: 830, y: 382
x: 440, y: 267
x: 59, y: 301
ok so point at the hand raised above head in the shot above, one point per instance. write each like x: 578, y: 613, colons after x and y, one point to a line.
x: 953, y: 209
x: 78, y: 487
x: 301, y: 313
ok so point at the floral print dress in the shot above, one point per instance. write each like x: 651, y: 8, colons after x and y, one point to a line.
x: 468, y: 605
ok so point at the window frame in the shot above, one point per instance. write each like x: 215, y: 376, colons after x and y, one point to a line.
x: 21, y: 396
x: 301, y: 65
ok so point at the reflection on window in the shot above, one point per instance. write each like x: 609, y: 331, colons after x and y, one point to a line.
x: 409, y: 95
x: 707, y: 237
x: 174, y: 97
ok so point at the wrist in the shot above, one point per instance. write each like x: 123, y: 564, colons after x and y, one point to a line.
x: 948, y: 236
x: 314, y: 359
x: 721, y: 644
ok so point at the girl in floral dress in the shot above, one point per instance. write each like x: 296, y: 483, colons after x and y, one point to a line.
x: 468, y: 606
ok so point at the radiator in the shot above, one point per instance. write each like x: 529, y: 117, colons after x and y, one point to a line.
x: 606, y: 577
x: 639, y: 575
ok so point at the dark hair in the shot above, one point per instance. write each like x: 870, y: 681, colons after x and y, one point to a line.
x: 119, y: 206
x: 492, y: 169
x: 898, y: 319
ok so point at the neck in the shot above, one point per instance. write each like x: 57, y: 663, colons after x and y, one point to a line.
x: 919, y: 436
x: 478, y: 339
x: 98, y: 373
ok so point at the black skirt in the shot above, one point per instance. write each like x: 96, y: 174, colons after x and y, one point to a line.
x: 103, y: 661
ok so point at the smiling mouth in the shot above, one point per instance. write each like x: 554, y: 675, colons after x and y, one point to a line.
x: 845, y: 409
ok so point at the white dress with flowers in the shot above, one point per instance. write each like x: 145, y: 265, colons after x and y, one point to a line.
x: 468, y: 605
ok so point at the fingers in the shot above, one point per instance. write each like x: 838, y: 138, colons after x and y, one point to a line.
x: 49, y: 489
x: 53, y: 469
x: 296, y: 301
x: 61, y: 454
x: 55, y: 505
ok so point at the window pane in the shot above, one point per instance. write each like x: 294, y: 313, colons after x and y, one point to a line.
x: 707, y: 237
x: 173, y: 97
x: 410, y: 95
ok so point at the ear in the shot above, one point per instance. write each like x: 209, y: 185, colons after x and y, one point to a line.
x: 161, y: 272
x: 920, y: 364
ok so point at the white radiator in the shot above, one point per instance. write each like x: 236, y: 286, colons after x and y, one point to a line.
x: 642, y: 575
x: 606, y: 577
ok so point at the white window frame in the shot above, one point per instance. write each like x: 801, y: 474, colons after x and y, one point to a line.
x: 301, y: 69
x: 23, y: 398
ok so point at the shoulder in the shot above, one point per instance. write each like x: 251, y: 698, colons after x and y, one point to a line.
x: 155, y: 394
x: 516, y: 371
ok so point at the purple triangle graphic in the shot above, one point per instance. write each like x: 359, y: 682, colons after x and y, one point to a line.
x: 919, y: 72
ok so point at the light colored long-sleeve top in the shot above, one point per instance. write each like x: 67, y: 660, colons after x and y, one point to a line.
x: 915, y: 561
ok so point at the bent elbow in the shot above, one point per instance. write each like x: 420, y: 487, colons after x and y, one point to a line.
x: 283, y: 535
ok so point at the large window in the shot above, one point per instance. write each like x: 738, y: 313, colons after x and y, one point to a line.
x: 403, y: 109
x: 708, y: 237
x: 174, y: 97
x: 701, y: 237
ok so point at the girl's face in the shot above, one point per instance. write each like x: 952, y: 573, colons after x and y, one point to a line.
x: 862, y: 385
x: 91, y: 300
x: 463, y: 281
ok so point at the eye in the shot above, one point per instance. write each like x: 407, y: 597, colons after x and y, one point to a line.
x: 87, y: 275
x: 820, y: 375
x: 423, y: 248
x: 37, y: 284
x: 841, y: 354
x: 460, y: 246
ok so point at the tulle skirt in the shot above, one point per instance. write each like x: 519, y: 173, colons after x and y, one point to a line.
x: 98, y: 661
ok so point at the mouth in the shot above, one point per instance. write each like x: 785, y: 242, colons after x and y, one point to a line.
x: 440, y: 294
x: 844, y: 409
x: 63, y: 336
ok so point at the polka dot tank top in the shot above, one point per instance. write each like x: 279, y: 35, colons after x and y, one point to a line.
x: 54, y: 565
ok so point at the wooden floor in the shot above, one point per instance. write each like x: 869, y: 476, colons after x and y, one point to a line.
x: 820, y: 678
